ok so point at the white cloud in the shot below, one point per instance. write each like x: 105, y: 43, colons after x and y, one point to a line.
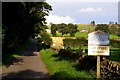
x: 90, y: 9
x: 59, y: 19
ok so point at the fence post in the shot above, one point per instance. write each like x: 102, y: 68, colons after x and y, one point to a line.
x: 98, y: 66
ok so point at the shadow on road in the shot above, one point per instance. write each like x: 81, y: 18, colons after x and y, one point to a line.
x: 31, y: 51
x: 23, y: 75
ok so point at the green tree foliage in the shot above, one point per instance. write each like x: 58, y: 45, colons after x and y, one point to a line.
x: 22, y: 20
x: 64, y: 29
x: 93, y: 23
x: 44, y: 37
x: 118, y: 30
x: 72, y: 29
x: 113, y: 29
x: 53, y: 29
x: 102, y: 27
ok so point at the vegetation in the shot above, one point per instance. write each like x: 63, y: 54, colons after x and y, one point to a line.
x: 81, y: 35
x: 87, y: 27
x: 114, y: 54
x: 114, y: 29
x: 64, y: 29
x: 93, y: 23
x: 7, y: 59
x: 60, y: 68
x: 28, y: 20
x: 25, y: 20
x: 75, y: 43
x: 53, y: 29
x: 102, y: 27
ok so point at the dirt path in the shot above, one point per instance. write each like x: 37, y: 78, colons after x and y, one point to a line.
x: 30, y: 67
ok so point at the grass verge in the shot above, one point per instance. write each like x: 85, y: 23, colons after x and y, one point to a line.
x: 62, y: 68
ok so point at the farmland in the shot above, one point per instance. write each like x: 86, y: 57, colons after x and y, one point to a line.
x: 72, y: 50
x: 58, y: 51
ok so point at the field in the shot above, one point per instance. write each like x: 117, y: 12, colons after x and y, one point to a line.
x: 62, y: 67
x: 85, y: 27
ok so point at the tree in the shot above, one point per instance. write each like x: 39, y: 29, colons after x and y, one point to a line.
x: 53, y: 29
x: 117, y: 30
x: 72, y: 29
x: 116, y: 23
x: 45, y: 38
x: 62, y: 28
x: 93, y: 23
x: 111, y: 22
x: 102, y: 27
x: 22, y: 20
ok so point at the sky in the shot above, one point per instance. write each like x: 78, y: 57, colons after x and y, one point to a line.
x: 83, y: 12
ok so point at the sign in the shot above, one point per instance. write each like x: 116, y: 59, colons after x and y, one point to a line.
x: 98, y: 50
x: 98, y: 43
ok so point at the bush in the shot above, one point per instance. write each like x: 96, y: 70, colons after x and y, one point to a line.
x: 75, y: 43
x: 44, y: 41
x: 115, y: 43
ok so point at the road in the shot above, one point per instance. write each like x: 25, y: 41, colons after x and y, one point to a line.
x: 29, y: 67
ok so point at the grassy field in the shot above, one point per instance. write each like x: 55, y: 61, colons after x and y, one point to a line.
x: 85, y: 27
x: 80, y: 34
x: 60, y: 68
x: 85, y: 35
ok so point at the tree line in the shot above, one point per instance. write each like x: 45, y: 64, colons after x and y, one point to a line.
x: 113, y: 29
x: 64, y: 29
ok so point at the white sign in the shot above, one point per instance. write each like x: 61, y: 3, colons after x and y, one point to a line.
x: 98, y: 43
x: 98, y: 50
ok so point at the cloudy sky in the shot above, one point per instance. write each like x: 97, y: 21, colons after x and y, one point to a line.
x: 79, y: 11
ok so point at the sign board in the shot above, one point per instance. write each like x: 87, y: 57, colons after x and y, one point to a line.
x: 98, y: 43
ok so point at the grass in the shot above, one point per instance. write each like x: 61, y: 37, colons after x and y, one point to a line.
x: 85, y: 27
x: 114, y: 37
x: 83, y: 34
x: 80, y: 34
x: 61, y: 68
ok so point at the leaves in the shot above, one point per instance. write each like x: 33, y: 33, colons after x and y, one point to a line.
x: 22, y: 20
x: 102, y: 27
x: 64, y: 29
